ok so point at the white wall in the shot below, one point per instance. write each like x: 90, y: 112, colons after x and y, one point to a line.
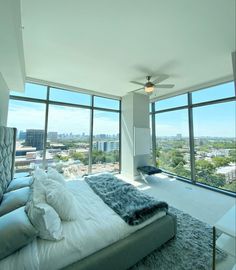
x: 4, y: 100
x: 12, y: 65
x: 134, y: 113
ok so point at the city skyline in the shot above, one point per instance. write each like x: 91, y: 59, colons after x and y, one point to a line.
x: 77, y: 120
x: 215, y: 120
x: 207, y: 124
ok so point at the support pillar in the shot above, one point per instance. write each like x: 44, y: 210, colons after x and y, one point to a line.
x: 135, y: 122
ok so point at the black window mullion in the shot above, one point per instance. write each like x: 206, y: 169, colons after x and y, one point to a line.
x: 191, y: 138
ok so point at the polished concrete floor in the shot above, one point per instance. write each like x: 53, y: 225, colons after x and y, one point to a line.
x: 201, y: 203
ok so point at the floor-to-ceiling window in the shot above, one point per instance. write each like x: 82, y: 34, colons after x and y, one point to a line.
x: 106, y: 139
x: 172, y: 136
x: 195, y: 136
x: 27, y: 113
x: 75, y: 133
x: 214, y: 116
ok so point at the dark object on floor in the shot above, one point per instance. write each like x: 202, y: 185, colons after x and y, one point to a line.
x: 148, y: 170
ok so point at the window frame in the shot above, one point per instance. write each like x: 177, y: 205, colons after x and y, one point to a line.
x: 190, y: 106
x: 91, y: 107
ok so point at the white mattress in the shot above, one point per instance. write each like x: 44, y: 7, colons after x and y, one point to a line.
x: 96, y: 227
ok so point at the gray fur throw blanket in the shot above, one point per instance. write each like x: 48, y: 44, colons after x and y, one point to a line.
x: 133, y: 206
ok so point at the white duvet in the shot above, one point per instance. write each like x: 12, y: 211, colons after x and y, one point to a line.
x: 96, y: 227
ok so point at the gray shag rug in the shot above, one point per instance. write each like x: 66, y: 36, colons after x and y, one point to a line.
x: 191, y: 249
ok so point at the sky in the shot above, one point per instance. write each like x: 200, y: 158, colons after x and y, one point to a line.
x: 40, y: 92
x: 62, y: 119
x: 214, y: 120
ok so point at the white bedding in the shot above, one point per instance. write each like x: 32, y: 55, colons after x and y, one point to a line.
x: 96, y: 227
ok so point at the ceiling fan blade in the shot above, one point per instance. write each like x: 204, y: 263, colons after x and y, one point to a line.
x: 138, y: 83
x: 161, y: 78
x: 164, y: 85
x: 135, y: 90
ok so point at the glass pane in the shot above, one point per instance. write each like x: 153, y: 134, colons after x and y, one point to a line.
x: 106, y: 103
x: 215, y: 145
x: 30, y: 133
x: 32, y: 91
x: 172, y: 102
x: 68, y: 140
x: 172, y: 138
x: 150, y: 107
x: 69, y: 97
x: 212, y: 93
x: 105, y: 154
x: 151, y: 146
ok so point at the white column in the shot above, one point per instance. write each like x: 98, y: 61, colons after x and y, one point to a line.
x: 134, y: 116
x: 4, y: 100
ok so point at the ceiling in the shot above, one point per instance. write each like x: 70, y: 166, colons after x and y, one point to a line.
x: 103, y: 45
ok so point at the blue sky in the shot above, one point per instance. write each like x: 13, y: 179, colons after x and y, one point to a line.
x: 214, y: 120
x: 63, y: 119
x: 40, y: 92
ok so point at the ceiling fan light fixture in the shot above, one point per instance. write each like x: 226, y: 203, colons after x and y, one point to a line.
x: 149, y: 86
x: 149, y: 89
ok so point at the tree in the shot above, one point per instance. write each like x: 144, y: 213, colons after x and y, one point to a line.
x: 177, y: 158
x: 230, y: 186
x: 203, y: 165
x: 60, y: 157
x: 221, y: 161
x: 232, y: 155
x: 77, y: 156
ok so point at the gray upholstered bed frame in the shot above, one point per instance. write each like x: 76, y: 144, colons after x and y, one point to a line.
x: 126, y: 252
x: 118, y: 256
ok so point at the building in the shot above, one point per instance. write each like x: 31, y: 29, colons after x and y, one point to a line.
x: 23, y: 151
x: 22, y: 135
x: 35, y: 138
x: 106, y: 146
x: 179, y: 136
x: 52, y: 136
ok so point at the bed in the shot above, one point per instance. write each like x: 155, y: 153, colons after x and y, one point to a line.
x: 98, y: 239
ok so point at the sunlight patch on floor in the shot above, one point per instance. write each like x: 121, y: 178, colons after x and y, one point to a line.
x: 144, y: 188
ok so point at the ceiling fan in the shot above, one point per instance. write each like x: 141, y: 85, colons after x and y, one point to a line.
x: 150, y: 86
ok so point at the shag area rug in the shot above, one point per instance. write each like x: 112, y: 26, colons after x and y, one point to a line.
x: 191, y: 249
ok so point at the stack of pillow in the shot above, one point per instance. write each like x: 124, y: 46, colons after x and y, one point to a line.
x: 34, y: 206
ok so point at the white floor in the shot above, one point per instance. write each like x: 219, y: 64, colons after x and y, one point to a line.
x: 201, y: 203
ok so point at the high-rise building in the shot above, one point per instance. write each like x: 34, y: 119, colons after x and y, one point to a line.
x: 22, y: 135
x: 34, y: 138
x: 52, y: 136
x: 179, y: 137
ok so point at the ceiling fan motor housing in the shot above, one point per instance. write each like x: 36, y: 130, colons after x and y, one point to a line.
x: 149, y: 84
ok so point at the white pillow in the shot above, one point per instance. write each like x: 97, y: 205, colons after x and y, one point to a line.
x: 62, y: 200
x: 38, y: 192
x: 55, y: 175
x: 46, y: 220
x: 39, y: 174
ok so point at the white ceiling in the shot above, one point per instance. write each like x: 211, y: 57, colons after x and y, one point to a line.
x: 102, y: 45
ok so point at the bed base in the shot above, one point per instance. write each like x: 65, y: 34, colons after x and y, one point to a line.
x: 128, y: 251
